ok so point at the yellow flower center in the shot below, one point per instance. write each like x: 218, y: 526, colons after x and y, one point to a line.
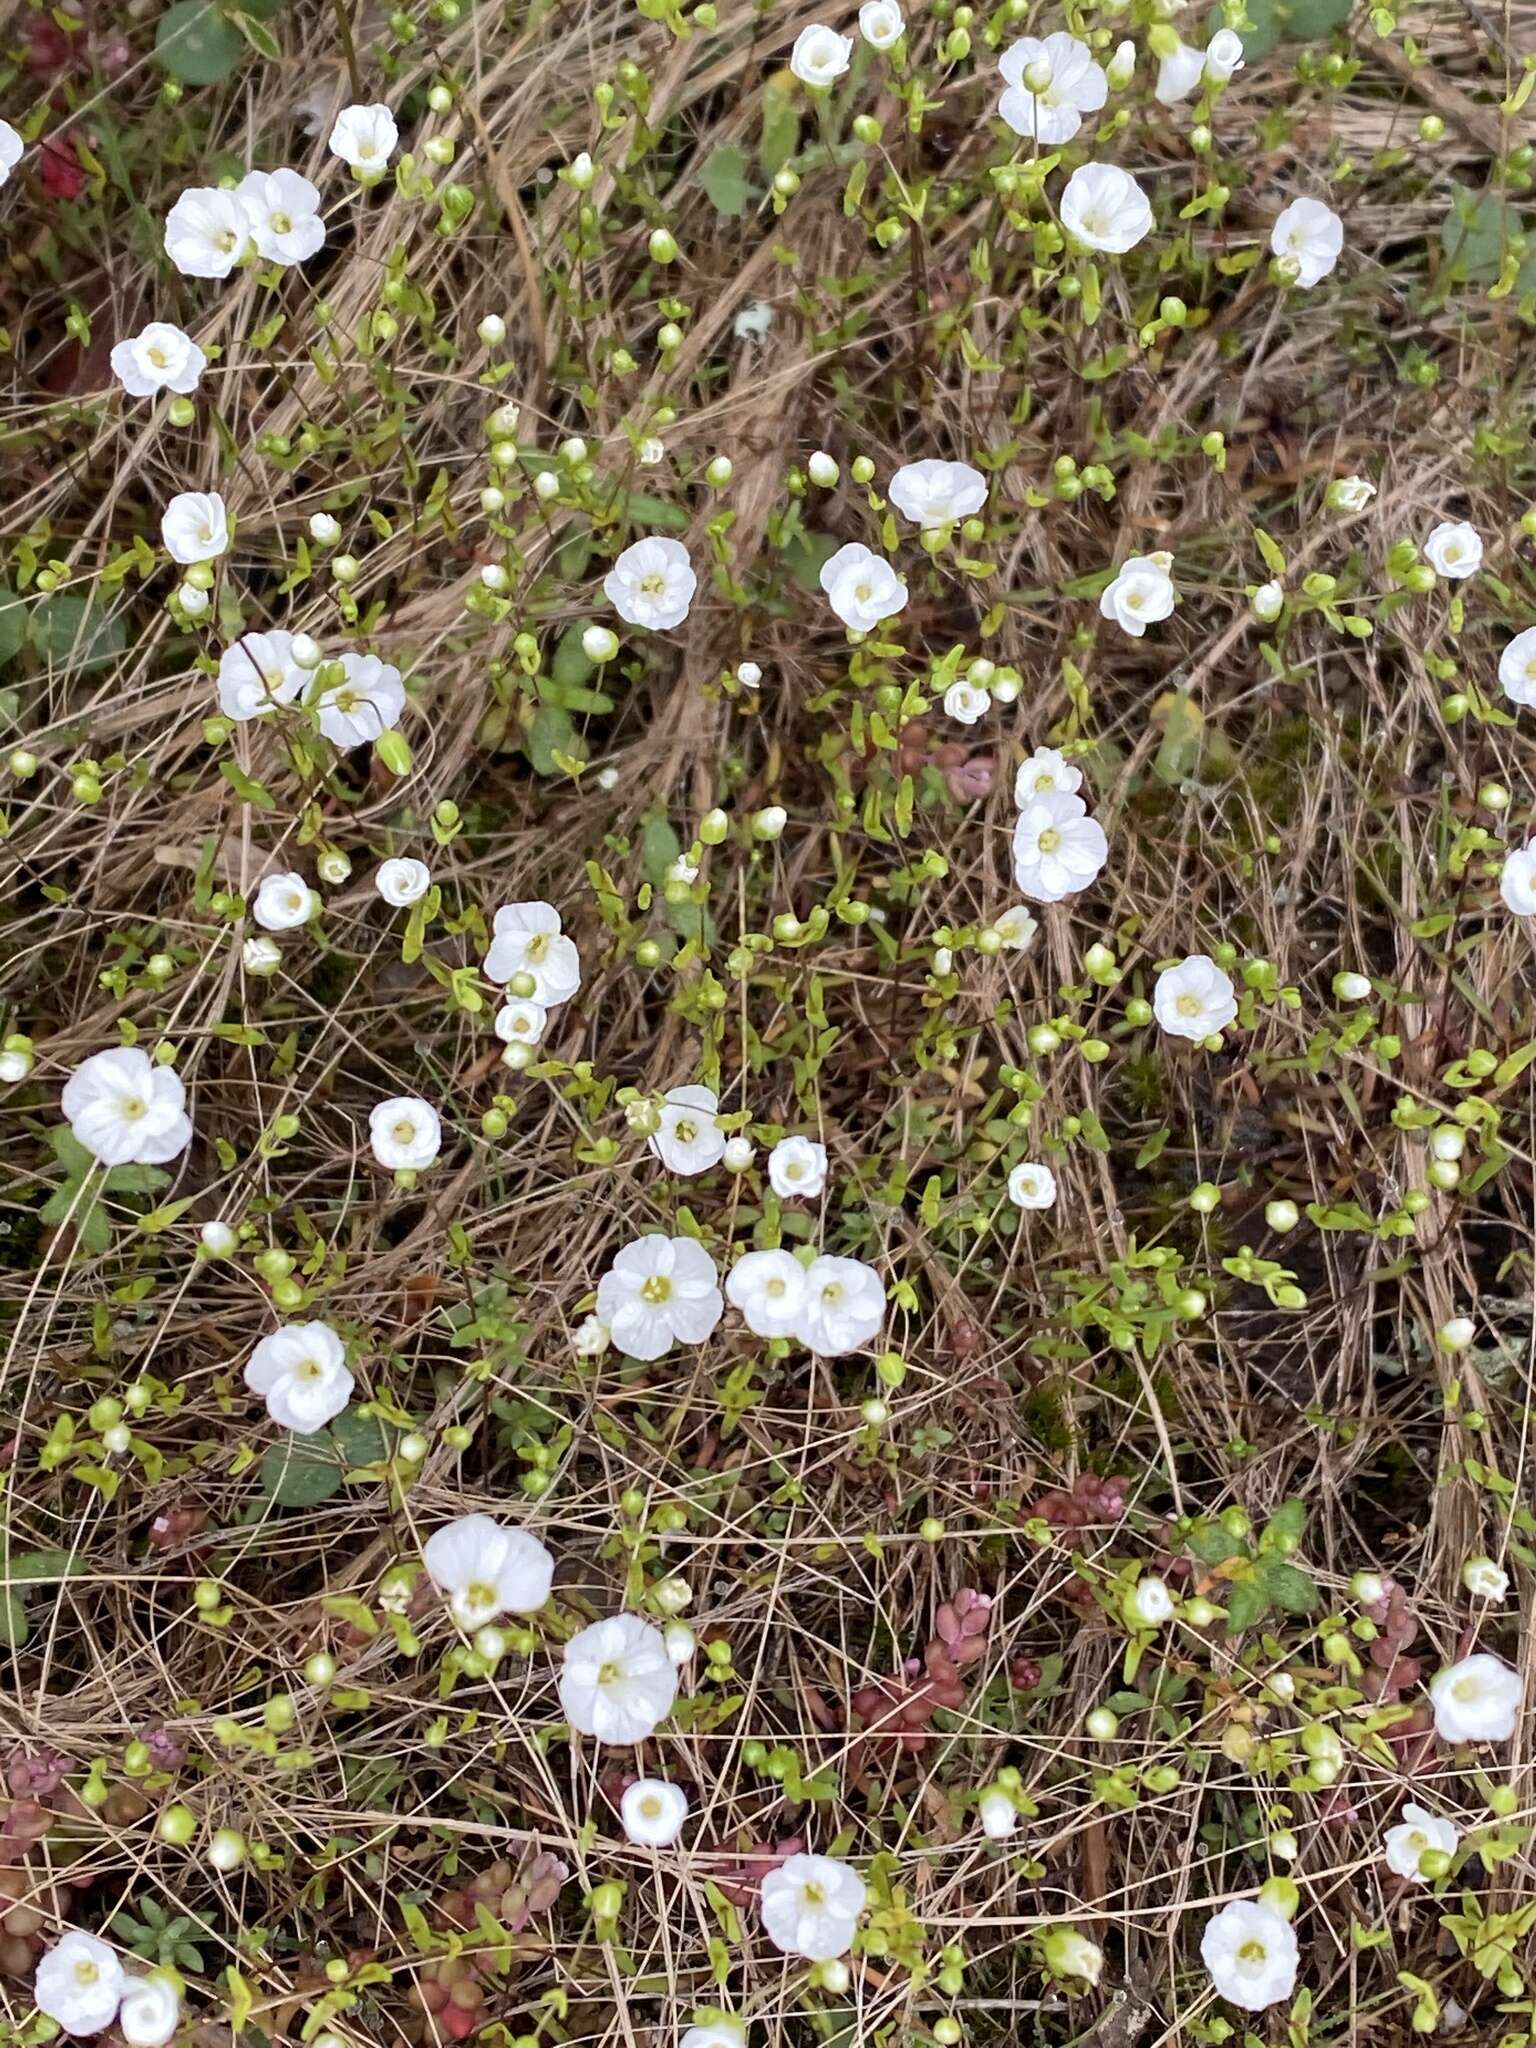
x: 656, y: 1290
x: 1049, y: 840
x: 282, y: 224
x: 1188, y: 1006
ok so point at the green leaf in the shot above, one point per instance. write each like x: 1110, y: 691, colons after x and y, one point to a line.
x: 1247, y: 1605
x: 1212, y: 1545
x: 724, y: 178
x: 1476, y: 233
x: 1289, y: 1589
x: 302, y: 1471
x: 781, y: 131
x: 40, y: 1567
x: 196, y: 44
x: 643, y: 510
x: 70, y: 631
x: 261, y: 39
x: 805, y: 555
x: 14, y: 1626
x: 552, y: 734
x: 13, y: 624
x: 1288, y: 1524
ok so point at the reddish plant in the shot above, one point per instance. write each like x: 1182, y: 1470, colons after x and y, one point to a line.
x: 740, y: 1881
x: 897, y: 1711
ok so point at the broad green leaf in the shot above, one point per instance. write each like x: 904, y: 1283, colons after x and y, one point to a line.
x: 71, y: 632
x: 196, y: 44
x: 39, y: 1567
x: 1287, y: 1587
x: 781, y: 131
x: 1247, y: 1604
x: 724, y: 178
x: 551, y: 734
x: 13, y: 624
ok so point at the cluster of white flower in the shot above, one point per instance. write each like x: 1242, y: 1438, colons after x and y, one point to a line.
x: 1058, y: 848
x: 82, y: 1985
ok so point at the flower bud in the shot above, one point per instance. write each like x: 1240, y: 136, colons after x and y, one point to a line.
x: 822, y: 470
x: 599, y: 643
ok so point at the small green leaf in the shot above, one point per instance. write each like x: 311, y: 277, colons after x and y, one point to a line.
x: 781, y: 131
x: 196, y: 44
x: 1289, y: 1589
x: 724, y: 178
x: 1247, y: 1605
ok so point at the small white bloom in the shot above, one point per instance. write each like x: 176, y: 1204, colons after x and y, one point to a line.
x: 660, y: 1291
x: 753, y: 322
x: 1350, y: 494
x: 811, y: 1907
x: 881, y: 24
x: 1252, y: 1955
x: 1417, y: 1831
x: 1149, y: 1603
x: 681, y: 1642
x: 364, y: 138
x: 79, y: 1983
x: 1484, y: 1579
x: 12, y: 149
x: 1223, y: 56
x: 689, y: 1139
x: 1051, y: 82
x: 820, y: 55
x: 325, y: 528
x: 207, y: 232
x: 1517, y: 668
x: 797, y: 1167
x: 934, y: 494
x: 301, y: 1373
x: 592, y: 1338
x: 724, y: 2032
x: 125, y: 1110
x: 15, y: 1064
x: 1016, y: 928
x: 653, y: 1813
x: 487, y: 1569
x: 1032, y: 1186
x: 1178, y: 75
x: 1104, y: 208
x: 526, y: 939
x: 844, y: 1307
x: 1454, y: 549
x: 158, y: 358
x: 749, y: 675
x: 521, y: 1022
x: 739, y: 1154
x: 401, y: 881
x: 617, y: 1682
x: 652, y: 584
x: 770, y: 1290
x: 1268, y: 602
x: 150, y: 2012
x: 599, y: 643
x: 1121, y: 68
x: 1043, y: 773
x: 1517, y: 880
x: 405, y: 1133
x: 1476, y: 1700
x: 822, y: 470
x: 195, y: 527
x: 1067, y: 1952
x: 997, y: 1812
x: 1057, y: 848
x: 261, y: 955
x: 283, y: 209
x: 1311, y: 236
x: 368, y: 700
x: 965, y: 703
x: 1195, y: 999
x: 284, y: 902
x: 1141, y: 593
x: 257, y: 674
x: 862, y: 587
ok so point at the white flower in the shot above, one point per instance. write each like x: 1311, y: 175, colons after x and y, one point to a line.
x: 844, y: 1307
x: 195, y: 527
x: 739, y: 1153
x: 257, y: 674
x: 158, y: 358
x: 820, y: 55
x: 811, y: 1907
x: 125, y: 1110
x: 1476, y: 1700
x: 822, y: 469
x: 862, y: 587
x: 1414, y: 1833
x: 797, y: 1167
x: 1223, y: 56
x: 1051, y: 83
x: 769, y: 1288
x: 1016, y: 928
x: 261, y: 955
x: 1149, y: 1603
x: 283, y: 902
x: 401, y: 881
x: 1057, y: 848
x: 1067, y: 1952
x: 653, y: 1812
x: 881, y: 23
x: 526, y: 939
x: 1178, y: 75
x: 405, y: 1133
x: 283, y: 209
x: 1103, y: 207
x: 1454, y: 549
x: 1350, y: 494
x: 1310, y: 235
x: 1484, y: 1579
x: 1032, y: 1186
x: 79, y: 1983
x: 364, y: 137
x: 1517, y: 668
x: 689, y: 1139
x: 726, y: 2031
x: 965, y: 703
x: 12, y: 149
x: 1267, y: 602
x: 1251, y: 1954
x: 367, y: 701
x: 521, y: 1022
x: 998, y: 1814
x: 1195, y: 999
x: 487, y: 1569
x: 617, y: 1682
x: 1045, y: 771
x: 1141, y: 593
x: 660, y: 1291
x: 207, y: 232
x: 652, y: 583
x: 1517, y: 880
x: 933, y: 493
x: 150, y: 2012
x: 301, y: 1372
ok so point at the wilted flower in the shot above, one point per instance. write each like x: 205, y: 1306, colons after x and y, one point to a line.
x: 79, y: 1983
x: 1350, y: 494
x: 966, y: 703
x: 406, y: 1133
x: 1517, y: 668
x: 617, y: 1682
x: 1051, y: 83
x: 150, y: 2011
x: 158, y: 358
x: 126, y: 1110
x: 998, y: 1812
x: 820, y: 55
x: 770, y: 1290
x: 934, y: 494
x: 1195, y: 999
x: 207, y: 232
x: 364, y: 138
x: 487, y: 1569
x: 1149, y: 1603
x: 195, y: 527
x: 1517, y: 880
x: 1311, y: 236
x: 1016, y: 928
x: 283, y: 903
x: 811, y: 1906
x: 688, y: 1139
x: 368, y: 700
x: 797, y: 1167
x: 1057, y: 848
x: 862, y: 587
x: 1068, y: 1953
x: 1141, y: 593
x: 1476, y: 1700
x: 1404, y: 1845
x: 1454, y: 549
x: 1032, y: 1186
x: 526, y: 939
x: 1251, y: 1953
x: 1223, y: 56
x: 660, y: 1291
x: 283, y: 209
x: 881, y: 24
x: 653, y: 1812
x: 652, y: 583
x: 1484, y: 1579
x: 301, y: 1372
x: 401, y: 881
x: 1104, y: 208
x: 844, y: 1307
